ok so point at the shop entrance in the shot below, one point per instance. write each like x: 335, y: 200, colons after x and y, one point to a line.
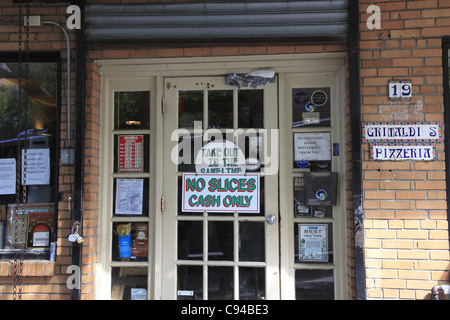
x: 216, y: 189
x: 223, y: 213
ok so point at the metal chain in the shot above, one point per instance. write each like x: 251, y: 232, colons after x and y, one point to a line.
x: 19, y: 234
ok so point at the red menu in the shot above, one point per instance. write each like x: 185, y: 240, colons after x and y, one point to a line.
x: 131, y: 153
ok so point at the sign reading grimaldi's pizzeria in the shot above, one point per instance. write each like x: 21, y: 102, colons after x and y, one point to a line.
x: 402, y: 140
x: 402, y: 131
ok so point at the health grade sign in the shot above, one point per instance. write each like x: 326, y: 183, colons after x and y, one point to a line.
x: 221, y: 193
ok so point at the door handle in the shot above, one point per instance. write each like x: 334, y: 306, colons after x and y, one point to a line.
x: 271, y: 219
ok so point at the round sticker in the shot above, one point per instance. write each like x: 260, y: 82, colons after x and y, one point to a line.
x: 319, y: 97
x: 310, y: 107
x: 321, y: 194
x: 301, y: 98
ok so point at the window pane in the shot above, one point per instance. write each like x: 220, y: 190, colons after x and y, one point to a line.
x: 314, y: 285
x: 220, y: 283
x: 311, y: 107
x: 131, y: 197
x: 220, y: 240
x: 190, y: 283
x: 251, y: 241
x: 313, y: 243
x: 220, y: 109
x: 129, y: 283
x: 190, y: 108
x: 130, y: 241
x: 251, y: 109
x: 252, y: 283
x: 190, y: 240
x: 131, y: 153
x: 132, y: 110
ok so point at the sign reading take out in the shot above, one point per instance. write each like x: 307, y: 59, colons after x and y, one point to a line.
x: 220, y: 184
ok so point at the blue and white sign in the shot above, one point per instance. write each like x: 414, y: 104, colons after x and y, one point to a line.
x: 400, y: 90
x: 403, y: 152
x: 430, y: 131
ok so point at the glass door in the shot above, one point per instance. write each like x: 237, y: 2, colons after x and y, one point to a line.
x: 220, y: 215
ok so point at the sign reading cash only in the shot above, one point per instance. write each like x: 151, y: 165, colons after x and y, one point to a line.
x: 220, y: 183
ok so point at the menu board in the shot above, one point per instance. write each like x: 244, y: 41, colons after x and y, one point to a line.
x: 131, y: 153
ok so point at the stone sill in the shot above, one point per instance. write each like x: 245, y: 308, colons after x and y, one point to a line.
x: 31, y: 268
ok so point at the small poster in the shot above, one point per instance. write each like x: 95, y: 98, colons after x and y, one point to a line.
x: 30, y: 225
x: 131, y: 153
x: 129, y: 196
x: 8, y: 176
x: 313, y: 242
x: 37, y: 168
x: 40, y: 228
x: 312, y: 146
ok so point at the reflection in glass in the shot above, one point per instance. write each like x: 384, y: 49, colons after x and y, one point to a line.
x: 220, y: 283
x: 252, y: 284
x: 190, y: 240
x: 314, y: 285
x: 190, y: 108
x: 251, y: 241
x: 130, y: 241
x: 132, y: 110
x: 251, y: 109
x: 220, y: 109
x: 129, y: 283
x: 190, y: 282
x: 220, y: 240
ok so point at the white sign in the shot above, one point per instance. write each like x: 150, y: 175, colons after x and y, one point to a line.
x: 400, y: 90
x: 129, y: 195
x: 221, y: 193
x: 403, y: 152
x: 220, y: 157
x: 402, y: 131
x: 8, y: 176
x: 37, y: 168
x: 313, y: 243
x: 312, y: 146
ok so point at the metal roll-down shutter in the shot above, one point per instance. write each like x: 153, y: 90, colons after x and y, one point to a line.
x: 282, y: 20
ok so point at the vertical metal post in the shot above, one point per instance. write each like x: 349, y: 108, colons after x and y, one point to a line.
x: 355, y: 114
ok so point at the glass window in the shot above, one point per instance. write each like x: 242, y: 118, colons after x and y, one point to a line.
x: 28, y: 158
x: 132, y: 110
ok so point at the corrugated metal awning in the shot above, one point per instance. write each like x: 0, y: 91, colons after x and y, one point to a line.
x: 281, y: 20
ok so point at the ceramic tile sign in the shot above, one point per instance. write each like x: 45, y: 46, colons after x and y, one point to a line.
x: 402, y: 131
x: 400, y: 90
x: 403, y: 152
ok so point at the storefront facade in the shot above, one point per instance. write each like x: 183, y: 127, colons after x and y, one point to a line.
x: 287, y: 202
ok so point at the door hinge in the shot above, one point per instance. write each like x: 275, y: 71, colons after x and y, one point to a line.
x: 163, y: 105
x: 163, y: 204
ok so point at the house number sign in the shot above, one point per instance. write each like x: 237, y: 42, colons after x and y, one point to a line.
x: 400, y: 90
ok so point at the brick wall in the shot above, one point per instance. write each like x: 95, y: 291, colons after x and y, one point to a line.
x: 406, y: 228
x: 44, y: 280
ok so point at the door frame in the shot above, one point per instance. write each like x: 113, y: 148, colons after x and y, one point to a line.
x: 160, y: 68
